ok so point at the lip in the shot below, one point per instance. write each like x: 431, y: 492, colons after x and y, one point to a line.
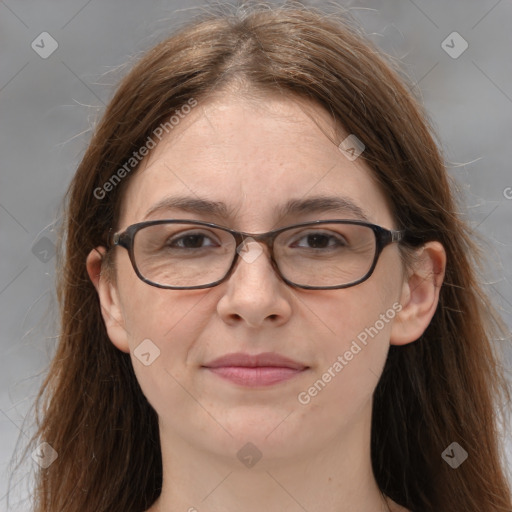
x: 255, y: 370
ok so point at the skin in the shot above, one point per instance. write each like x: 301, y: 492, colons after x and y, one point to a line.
x: 255, y: 155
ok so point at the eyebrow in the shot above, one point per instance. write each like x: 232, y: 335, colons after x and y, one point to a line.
x: 315, y: 204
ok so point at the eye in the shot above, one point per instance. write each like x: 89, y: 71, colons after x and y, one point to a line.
x: 190, y: 240
x: 320, y: 240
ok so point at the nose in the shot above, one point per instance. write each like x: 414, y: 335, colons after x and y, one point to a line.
x: 255, y: 294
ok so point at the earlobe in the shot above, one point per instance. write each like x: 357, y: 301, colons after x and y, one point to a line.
x: 109, y: 300
x: 420, y: 295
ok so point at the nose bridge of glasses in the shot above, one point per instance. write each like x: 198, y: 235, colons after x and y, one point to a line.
x: 250, y: 246
x: 255, y: 243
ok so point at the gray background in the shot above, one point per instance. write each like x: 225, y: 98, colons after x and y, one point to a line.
x: 48, y: 106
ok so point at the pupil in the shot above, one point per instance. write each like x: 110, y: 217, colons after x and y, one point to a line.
x: 313, y: 240
x: 194, y: 238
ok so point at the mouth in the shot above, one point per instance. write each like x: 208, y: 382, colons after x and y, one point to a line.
x: 255, y: 370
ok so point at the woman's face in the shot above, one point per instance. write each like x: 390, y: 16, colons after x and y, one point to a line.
x: 255, y: 158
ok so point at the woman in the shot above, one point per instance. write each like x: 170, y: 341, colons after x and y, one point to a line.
x: 341, y: 362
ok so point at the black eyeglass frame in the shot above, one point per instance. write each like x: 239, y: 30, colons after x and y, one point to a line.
x: 383, y: 238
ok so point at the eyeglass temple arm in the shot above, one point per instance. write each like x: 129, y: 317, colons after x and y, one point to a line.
x: 397, y: 236
x: 117, y: 239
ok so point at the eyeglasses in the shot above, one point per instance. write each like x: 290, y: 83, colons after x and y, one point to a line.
x: 316, y: 255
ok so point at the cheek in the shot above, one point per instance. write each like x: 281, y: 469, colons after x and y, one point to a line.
x: 361, y: 334
x: 172, y: 319
x: 357, y: 325
x: 350, y: 368
x: 162, y: 326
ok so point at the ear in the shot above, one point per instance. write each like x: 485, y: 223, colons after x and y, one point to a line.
x: 420, y: 294
x: 111, y: 309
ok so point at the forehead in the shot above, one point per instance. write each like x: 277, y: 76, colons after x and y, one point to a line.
x: 252, y: 159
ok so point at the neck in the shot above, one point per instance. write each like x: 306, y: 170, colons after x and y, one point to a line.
x: 335, y: 476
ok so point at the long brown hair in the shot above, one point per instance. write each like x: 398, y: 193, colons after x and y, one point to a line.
x: 445, y: 387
